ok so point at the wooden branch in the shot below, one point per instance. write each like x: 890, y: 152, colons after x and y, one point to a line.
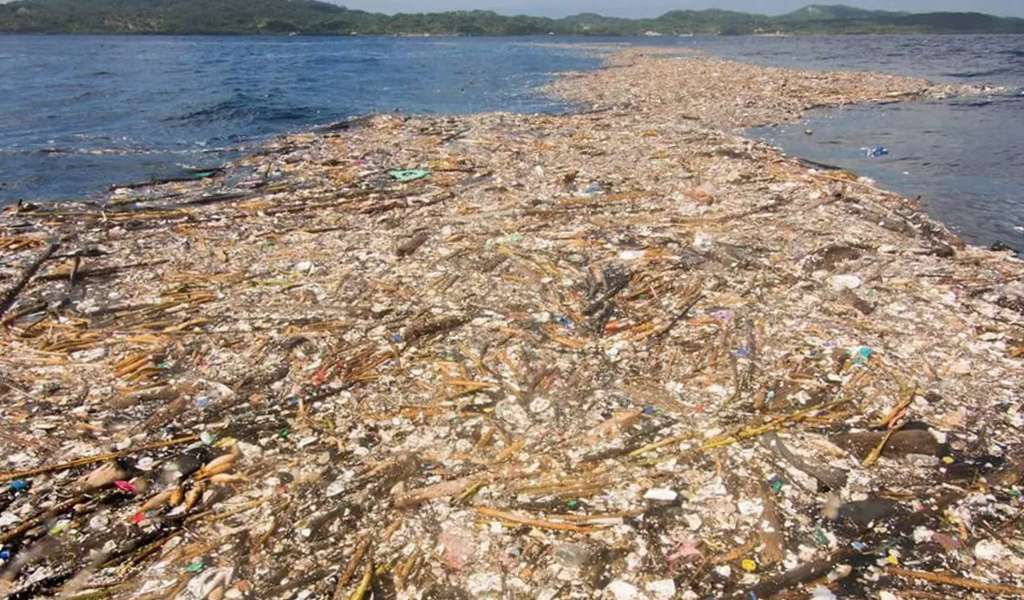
x: 968, y: 584
x: 353, y: 564
x: 530, y: 521
x: 89, y: 460
x: 9, y: 297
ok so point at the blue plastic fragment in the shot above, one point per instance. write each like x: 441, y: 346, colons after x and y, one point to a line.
x: 650, y: 410
x: 18, y: 485
x: 5, y: 554
x: 742, y: 352
x: 877, y: 151
x: 563, y: 320
x: 203, y: 402
x: 865, y: 352
x: 396, y: 338
x: 859, y: 546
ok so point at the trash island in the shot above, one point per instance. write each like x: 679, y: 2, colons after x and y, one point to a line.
x: 623, y: 353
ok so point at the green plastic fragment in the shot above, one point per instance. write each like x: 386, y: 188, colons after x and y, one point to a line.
x: 404, y: 175
x: 820, y: 538
x: 196, y: 566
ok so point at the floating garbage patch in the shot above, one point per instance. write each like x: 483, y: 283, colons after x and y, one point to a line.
x: 622, y: 354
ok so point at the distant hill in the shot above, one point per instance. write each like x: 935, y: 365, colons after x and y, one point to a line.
x: 319, y: 18
x: 833, y: 12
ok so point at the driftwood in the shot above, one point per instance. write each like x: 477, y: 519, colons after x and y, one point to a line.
x: 833, y: 478
x: 90, y: 460
x: 968, y: 584
x: 900, y: 443
x: 98, y: 271
x: 438, y: 490
x: 11, y: 295
x: 901, y: 528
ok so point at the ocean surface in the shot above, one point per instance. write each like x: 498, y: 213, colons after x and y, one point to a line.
x: 964, y: 157
x: 79, y: 114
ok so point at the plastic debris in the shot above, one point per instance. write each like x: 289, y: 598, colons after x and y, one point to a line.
x: 661, y: 589
x: 845, y: 282
x: 406, y: 175
x: 622, y: 590
x: 991, y: 550
x: 125, y: 486
x: 661, y: 494
x: 573, y: 555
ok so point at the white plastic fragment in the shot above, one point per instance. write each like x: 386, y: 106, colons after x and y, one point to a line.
x: 482, y: 583
x: 844, y: 282
x: 662, y: 588
x: 622, y: 590
x: 991, y: 550
x: 661, y: 494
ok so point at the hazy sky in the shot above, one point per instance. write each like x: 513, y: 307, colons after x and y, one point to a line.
x: 651, y: 8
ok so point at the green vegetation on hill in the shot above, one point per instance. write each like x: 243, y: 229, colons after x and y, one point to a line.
x: 320, y: 18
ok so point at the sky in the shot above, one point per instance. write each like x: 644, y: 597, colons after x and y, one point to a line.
x: 653, y: 8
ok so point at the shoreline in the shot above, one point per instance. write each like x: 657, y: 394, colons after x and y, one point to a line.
x: 499, y: 353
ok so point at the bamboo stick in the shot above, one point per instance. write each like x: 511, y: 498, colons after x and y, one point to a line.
x: 968, y: 584
x: 538, y: 523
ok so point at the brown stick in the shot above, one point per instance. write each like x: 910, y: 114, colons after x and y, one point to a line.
x: 81, y: 462
x: 969, y: 584
x: 100, y: 271
x: 8, y: 298
x: 438, y: 490
x: 538, y: 523
x: 34, y: 522
x: 364, y: 583
x: 353, y: 564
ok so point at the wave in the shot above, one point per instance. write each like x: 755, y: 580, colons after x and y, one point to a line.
x: 979, y: 74
x: 243, y: 108
x: 972, y: 103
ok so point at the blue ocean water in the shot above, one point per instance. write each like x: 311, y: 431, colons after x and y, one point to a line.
x: 964, y: 157
x: 81, y: 113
